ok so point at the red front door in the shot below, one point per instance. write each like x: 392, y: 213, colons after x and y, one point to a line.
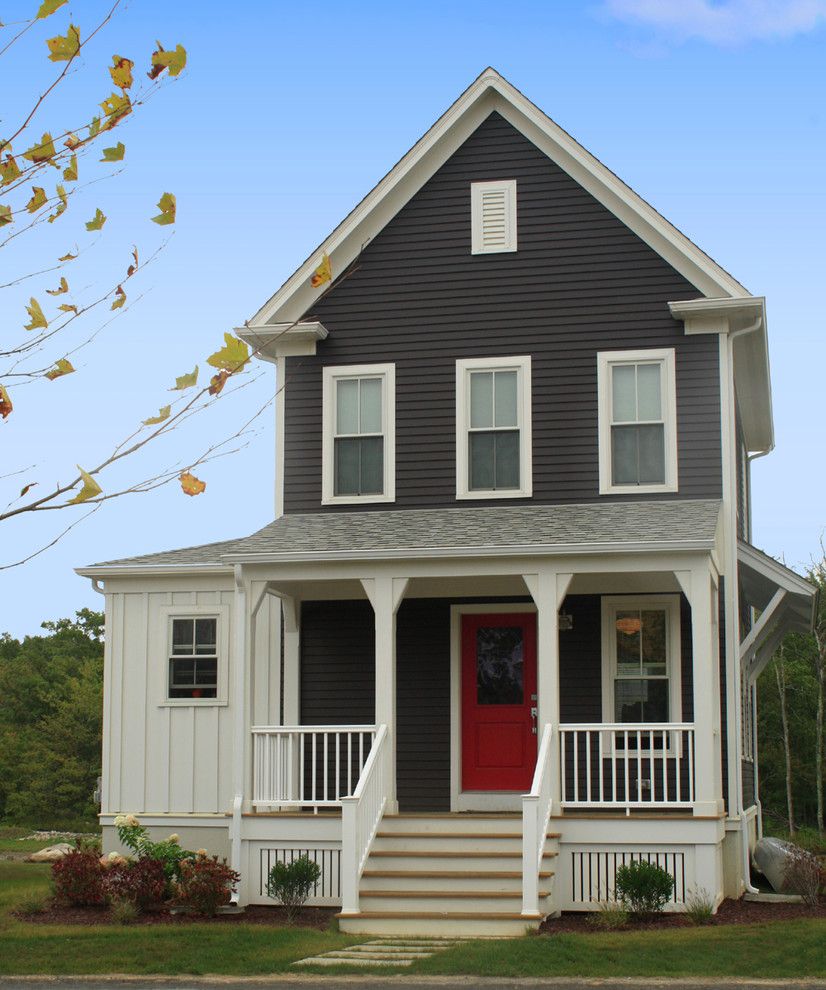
x: 498, y: 695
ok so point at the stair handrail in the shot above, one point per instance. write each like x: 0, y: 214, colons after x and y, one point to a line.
x: 536, y: 815
x: 361, y: 813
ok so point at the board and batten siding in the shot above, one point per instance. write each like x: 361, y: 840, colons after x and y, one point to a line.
x: 172, y: 759
x: 580, y: 282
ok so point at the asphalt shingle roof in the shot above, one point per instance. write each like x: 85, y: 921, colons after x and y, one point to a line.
x: 683, y: 521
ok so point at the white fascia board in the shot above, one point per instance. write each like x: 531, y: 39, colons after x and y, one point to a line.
x: 152, y: 570
x: 776, y: 572
x: 277, y: 340
x: 488, y: 93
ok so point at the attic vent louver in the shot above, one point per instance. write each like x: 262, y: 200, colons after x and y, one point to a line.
x: 493, y: 213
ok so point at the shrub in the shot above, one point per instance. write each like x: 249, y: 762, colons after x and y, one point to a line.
x: 32, y: 903
x: 124, y: 912
x: 168, y: 851
x: 610, y: 917
x: 291, y: 883
x: 804, y: 876
x: 78, y: 879
x: 205, y: 883
x: 644, y: 888
x: 699, y: 907
x: 141, y: 882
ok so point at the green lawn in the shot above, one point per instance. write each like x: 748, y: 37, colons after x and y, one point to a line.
x: 792, y: 949
x: 13, y: 839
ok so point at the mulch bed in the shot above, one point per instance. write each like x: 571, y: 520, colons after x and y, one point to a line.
x: 56, y: 914
x: 730, y: 912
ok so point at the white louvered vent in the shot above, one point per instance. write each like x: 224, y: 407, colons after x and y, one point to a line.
x: 493, y: 213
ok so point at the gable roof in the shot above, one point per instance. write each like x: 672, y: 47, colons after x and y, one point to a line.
x: 488, y: 93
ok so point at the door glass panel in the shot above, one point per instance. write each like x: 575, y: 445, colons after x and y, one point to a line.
x: 499, y: 665
x: 505, y: 399
x: 481, y: 400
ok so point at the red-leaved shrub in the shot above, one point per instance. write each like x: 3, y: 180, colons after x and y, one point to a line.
x: 78, y: 878
x: 141, y: 882
x: 205, y: 884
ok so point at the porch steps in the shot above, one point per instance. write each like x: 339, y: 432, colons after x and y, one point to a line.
x: 448, y: 875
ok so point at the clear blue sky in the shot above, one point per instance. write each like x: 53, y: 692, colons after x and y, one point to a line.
x: 289, y: 113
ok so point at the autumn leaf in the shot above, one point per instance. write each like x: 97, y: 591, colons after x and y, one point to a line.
x: 63, y: 287
x: 5, y: 215
x: 41, y: 152
x: 9, y: 170
x: 121, y: 71
x: 97, y: 221
x: 70, y: 172
x: 94, y: 129
x: 26, y: 489
x: 67, y: 257
x: 115, y: 108
x: 163, y: 413
x: 120, y: 298
x: 38, y: 320
x: 322, y: 274
x: 5, y: 403
x: 190, y: 485
x: 72, y: 141
x: 67, y: 308
x: 63, y: 48
x: 37, y: 200
x: 168, y: 208
x: 60, y: 209
x: 172, y: 60
x: 114, y: 154
x: 217, y: 382
x: 48, y: 7
x: 130, y: 271
x: 186, y: 381
x: 232, y: 356
x: 62, y: 367
x: 89, y: 490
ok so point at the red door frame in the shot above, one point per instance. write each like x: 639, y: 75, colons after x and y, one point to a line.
x: 513, y: 725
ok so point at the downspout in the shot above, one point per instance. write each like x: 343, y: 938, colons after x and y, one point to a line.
x: 239, y: 656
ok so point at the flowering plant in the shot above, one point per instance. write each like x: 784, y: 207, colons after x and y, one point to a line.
x: 167, y: 852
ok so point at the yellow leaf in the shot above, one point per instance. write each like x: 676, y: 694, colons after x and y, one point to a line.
x: 38, y: 320
x: 94, y: 128
x: 67, y: 308
x: 232, y: 356
x: 5, y: 215
x: 67, y: 257
x: 322, y: 274
x: 97, y: 221
x: 89, y: 490
x: 121, y: 71
x: 37, y: 200
x: 172, y: 60
x: 63, y: 287
x: 115, y: 108
x: 63, y: 48
x: 61, y: 206
x: 186, y: 381
x: 6, y: 405
x: 62, y: 367
x: 217, y: 382
x: 70, y: 172
x: 120, y: 298
x: 163, y: 413
x: 9, y: 170
x: 114, y: 154
x: 190, y: 485
x: 48, y: 7
x: 130, y: 271
x: 41, y: 152
x: 168, y: 207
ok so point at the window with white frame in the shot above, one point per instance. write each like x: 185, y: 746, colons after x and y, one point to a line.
x: 358, y: 436
x: 493, y: 427
x: 637, y: 421
x: 641, y: 659
x: 193, y: 658
x: 493, y: 216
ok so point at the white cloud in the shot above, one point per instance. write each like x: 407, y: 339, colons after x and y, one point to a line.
x: 729, y: 22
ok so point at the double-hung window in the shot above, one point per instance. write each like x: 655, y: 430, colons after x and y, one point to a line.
x: 193, y: 660
x: 493, y: 427
x: 637, y: 421
x: 358, y: 454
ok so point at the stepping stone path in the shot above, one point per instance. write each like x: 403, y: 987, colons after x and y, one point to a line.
x: 382, y: 952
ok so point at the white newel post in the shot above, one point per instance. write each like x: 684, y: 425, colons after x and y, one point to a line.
x: 385, y: 594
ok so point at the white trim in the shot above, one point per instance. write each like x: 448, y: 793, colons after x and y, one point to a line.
x: 478, y: 190
x: 473, y: 800
x: 387, y: 372
x: 671, y: 604
x: 606, y: 360
x: 522, y: 366
x: 161, y: 645
x: 280, y: 433
x: 279, y: 340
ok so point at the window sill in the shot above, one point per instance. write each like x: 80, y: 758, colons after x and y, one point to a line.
x: 496, y: 493
x: 357, y: 499
x: 193, y: 703
x: 636, y: 489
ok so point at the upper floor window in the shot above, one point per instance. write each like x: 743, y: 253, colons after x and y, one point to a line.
x: 493, y: 427
x: 493, y: 216
x: 358, y: 434
x: 637, y: 421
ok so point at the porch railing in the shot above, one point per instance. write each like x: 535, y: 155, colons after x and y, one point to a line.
x: 308, y: 766
x: 360, y: 817
x: 536, y: 814
x: 622, y: 765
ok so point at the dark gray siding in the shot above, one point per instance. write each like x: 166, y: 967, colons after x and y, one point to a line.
x: 580, y: 282
x: 749, y: 794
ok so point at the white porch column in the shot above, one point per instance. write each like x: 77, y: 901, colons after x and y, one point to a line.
x: 702, y: 596
x: 240, y: 707
x: 291, y: 625
x: 386, y: 594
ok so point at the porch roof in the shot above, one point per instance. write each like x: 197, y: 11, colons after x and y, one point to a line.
x: 681, y: 524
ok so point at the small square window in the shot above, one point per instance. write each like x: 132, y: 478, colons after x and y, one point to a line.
x: 193, y: 660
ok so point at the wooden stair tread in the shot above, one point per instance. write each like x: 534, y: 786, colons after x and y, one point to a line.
x: 459, y: 815
x: 454, y: 874
x: 458, y: 835
x: 443, y: 915
x: 464, y: 894
x: 450, y: 854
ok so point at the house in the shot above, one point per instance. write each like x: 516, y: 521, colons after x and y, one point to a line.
x: 503, y: 633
